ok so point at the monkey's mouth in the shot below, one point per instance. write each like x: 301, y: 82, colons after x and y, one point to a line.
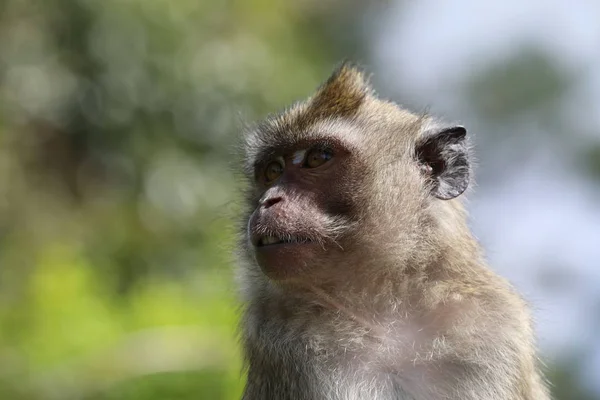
x: 281, y: 253
x: 268, y: 240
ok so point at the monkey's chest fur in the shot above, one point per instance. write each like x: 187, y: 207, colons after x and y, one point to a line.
x: 313, y: 353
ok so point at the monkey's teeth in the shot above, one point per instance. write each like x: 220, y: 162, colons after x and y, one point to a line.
x: 267, y: 240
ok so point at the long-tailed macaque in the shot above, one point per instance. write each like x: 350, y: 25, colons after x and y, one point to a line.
x: 360, y: 277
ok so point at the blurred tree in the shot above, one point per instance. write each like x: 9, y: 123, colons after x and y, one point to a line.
x: 565, y: 383
x: 529, y: 91
x: 117, y: 123
x: 521, y: 103
x: 529, y: 82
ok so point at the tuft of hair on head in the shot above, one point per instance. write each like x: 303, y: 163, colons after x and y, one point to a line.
x: 342, y: 94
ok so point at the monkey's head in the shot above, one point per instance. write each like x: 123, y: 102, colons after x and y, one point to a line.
x: 347, y: 179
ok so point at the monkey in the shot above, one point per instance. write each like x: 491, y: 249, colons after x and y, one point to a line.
x: 359, y: 275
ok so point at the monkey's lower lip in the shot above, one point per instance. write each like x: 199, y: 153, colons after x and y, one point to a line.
x: 285, y: 259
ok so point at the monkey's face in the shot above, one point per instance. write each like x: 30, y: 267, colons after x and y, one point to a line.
x: 346, y: 179
x: 303, y: 207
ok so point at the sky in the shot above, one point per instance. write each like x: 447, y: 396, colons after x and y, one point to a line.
x: 540, y: 230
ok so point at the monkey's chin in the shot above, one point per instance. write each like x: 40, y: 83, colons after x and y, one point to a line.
x: 285, y: 261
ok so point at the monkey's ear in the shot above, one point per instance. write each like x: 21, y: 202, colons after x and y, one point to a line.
x: 443, y: 156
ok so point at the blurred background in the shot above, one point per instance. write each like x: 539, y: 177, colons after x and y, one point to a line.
x: 117, y: 123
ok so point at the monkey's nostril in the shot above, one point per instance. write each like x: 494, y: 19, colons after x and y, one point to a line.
x: 271, y: 202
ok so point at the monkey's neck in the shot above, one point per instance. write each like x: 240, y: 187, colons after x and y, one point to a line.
x: 384, y: 287
x: 367, y: 297
x: 291, y: 358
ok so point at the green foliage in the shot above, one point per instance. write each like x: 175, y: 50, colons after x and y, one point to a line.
x: 529, y: 82
x: 184, y: 386
x: 118, y: 121
x: 590, y: 160
x: 566, y: 385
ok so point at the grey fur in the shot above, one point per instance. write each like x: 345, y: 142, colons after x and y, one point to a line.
x: 404, y: 307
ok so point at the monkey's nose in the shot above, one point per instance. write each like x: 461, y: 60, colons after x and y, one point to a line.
x: 271, y: 201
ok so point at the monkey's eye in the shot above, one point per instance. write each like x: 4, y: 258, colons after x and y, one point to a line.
x: 274, y: 170
x: 317, y: 157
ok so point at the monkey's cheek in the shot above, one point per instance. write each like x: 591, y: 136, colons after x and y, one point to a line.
x: 286, y: 261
